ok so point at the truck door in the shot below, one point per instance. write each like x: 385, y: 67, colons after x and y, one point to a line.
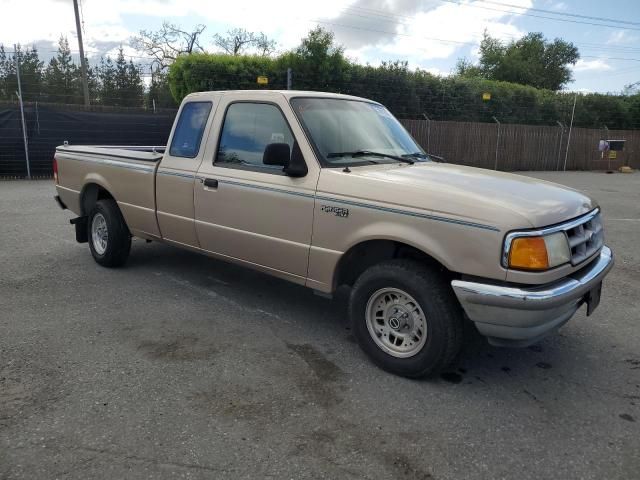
x: 248, y: 211
x: 176, y: 173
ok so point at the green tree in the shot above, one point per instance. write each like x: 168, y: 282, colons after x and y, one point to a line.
x: 107, y: 89
x: 319, y: 63
x: 120, y: 82
x: 466, y: 68
x: 633, y: 103
x: 129, y: 86
x: 5, y: 93
x: 93, y: 81
x: 62, y: 79
x: 30, y: 74
x: 159, y: 91
x: 531, y: 60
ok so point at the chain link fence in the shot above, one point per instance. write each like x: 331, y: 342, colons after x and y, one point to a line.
x: 50, y: 125
x: 27, y: 148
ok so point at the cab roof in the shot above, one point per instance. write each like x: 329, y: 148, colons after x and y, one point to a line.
x: 257, y: 94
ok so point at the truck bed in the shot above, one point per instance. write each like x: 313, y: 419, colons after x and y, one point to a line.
x: 127, y: 172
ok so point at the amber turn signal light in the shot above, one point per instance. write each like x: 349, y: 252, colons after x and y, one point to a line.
x: 529, y: 253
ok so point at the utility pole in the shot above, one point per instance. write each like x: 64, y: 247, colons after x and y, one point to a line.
x: 83, y: 61
x: 289, y: 79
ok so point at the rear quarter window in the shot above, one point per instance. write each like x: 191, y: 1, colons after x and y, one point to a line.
x: 189, y: 130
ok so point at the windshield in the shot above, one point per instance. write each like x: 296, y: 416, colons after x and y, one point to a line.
x: 352, y: 132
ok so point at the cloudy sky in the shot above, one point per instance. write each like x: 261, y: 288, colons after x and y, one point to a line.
x: 430, y: 34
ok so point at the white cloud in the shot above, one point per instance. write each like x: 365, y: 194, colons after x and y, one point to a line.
x: 426, y: 31
x: 621, y: 37
x: 591, y: 65
x: 104, y: 21
x: 439, y: 33
x: 559, y: 6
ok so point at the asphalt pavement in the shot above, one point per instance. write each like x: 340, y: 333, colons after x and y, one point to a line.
x: 182, y: 366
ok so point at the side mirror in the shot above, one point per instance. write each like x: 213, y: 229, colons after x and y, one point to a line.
x: 292, y: 161
x: 297, y: 166
x: 276, y: 154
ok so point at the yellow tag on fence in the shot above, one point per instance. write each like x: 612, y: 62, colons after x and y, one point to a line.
x: 263, y: 80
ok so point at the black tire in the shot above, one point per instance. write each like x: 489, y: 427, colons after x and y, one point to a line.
x: 443, y: 314
x: 118, y: 243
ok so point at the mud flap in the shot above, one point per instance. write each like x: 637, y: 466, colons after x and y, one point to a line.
x: 80, y: 223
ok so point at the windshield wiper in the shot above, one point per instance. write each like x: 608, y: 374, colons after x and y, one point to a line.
x: 431, y: 156
x: 366, y: 153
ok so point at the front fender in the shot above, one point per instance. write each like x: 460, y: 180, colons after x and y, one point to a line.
x: 461, y: 248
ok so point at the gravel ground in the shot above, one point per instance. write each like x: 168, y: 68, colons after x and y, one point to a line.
x: 180, y: 366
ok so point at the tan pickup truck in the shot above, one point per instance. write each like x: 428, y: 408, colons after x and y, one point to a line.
x: 327, y: 190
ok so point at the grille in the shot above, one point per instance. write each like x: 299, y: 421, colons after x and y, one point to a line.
x: 585, y: 239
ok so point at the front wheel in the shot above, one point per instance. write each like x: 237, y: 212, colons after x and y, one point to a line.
x: 109, y: 237
x: 406, y: 318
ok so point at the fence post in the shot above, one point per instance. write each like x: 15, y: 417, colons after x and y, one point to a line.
x: 289, y: 79
x: 428, y: 132
x: 559, y: 144
x: 608, y: 156
x: 573, y: 111
x: 497, y: 142
x: 24, y: 126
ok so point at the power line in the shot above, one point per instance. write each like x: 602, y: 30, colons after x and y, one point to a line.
x: 612, y: 58
x: 384, y: 14
x: 566, y: 20
x: 566, y: 14
x: 440, y: 39
x: 368, y: 13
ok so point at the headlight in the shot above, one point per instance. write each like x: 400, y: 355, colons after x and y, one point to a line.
x: 537, y: 253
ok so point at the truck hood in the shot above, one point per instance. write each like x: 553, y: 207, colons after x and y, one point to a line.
x: 504, y: 200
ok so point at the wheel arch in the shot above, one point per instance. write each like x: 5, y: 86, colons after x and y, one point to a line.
x: 90, y: 194
x: 369, y: 252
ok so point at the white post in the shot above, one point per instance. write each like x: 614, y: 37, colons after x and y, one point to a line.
x: 559, y: 144
x: 495, y: 167
x: 289, y: 79
x: 24, y: 125
x: 428, y: 132
x: 608, y: 155
x: 573, y: 111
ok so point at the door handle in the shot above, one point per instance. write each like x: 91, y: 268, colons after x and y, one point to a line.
x: 211, y: 182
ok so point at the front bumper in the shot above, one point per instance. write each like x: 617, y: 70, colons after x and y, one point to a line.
x: 520, y: 316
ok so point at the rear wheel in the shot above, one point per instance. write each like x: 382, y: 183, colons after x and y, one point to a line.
x: 109, y: 237
x: 406, y: 318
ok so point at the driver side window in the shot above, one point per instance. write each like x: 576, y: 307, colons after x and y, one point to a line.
x: 247, y: 130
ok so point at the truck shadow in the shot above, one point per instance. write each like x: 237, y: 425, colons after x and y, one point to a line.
x: 282, y: 300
